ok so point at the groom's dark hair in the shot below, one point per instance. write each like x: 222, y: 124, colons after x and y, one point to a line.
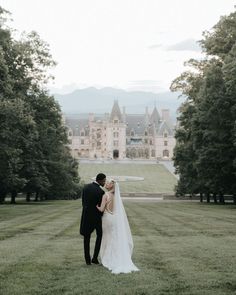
x: 100, y: 176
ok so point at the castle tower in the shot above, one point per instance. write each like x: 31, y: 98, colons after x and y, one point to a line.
x: 116, y: 134
x: 165, y: 115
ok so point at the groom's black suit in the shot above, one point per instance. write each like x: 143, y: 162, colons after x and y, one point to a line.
x: 91, y: 218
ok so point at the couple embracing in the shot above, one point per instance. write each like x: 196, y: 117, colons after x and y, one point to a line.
x: 105, y: 213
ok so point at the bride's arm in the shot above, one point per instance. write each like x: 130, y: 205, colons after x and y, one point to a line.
x: 103, y: 204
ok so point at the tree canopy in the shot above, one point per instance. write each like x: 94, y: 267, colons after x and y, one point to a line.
x: 205, y: 152
x: 34, y: 157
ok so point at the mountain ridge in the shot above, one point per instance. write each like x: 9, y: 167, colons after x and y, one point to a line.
x: 93, y: 100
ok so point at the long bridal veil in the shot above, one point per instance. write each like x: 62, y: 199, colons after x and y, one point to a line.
x: 119, y: 246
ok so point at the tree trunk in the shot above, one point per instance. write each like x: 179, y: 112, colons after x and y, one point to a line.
x: 2, y: 198
x: 201, y: 197
x: 36, y: 197
x: 222, y: 199
x: 28, y: 194
x: 215, y: 198
x: 13, y: 197
x: 208, y: 196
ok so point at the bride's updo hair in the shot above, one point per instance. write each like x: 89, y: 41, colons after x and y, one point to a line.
x: 111, y: 184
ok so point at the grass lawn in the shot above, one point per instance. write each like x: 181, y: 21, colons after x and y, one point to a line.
x: 157, y: 179
x: 180, y: 248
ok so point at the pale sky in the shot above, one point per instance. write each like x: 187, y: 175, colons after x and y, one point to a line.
x: 128, y: 44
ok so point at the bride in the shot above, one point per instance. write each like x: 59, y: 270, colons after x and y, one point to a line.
x: 117, y: 243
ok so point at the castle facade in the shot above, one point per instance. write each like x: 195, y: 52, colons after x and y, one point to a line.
x: 119, y: 135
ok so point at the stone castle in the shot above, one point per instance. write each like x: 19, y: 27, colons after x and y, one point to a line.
x: 119, y: 135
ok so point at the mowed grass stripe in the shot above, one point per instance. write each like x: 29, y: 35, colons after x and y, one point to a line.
x: 175, y: 222
x: 31, y: 223
x: 173, y: 257
x: 22, y: 213
x: 168, y: 224
x: 45, y: 229
x: 195, y: 255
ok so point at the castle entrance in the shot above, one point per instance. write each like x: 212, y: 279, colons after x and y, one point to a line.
x: 115, y: 154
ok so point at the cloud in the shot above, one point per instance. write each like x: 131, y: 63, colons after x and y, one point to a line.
x: 185, y: 45
x: 170, y: 60
x: 154, y: 46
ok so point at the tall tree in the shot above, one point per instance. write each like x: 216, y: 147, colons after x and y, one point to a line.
x: 32, y: 137
x: 211, y: 91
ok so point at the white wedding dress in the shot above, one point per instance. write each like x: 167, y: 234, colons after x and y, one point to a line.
x: 117, y: 243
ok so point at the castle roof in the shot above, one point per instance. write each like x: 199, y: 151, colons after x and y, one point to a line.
x: 155, y: 117
x: 165, y: 126
x: 138, y: 123
x: 77, y: 125
x: 116, y: 113
x: 135, y: 123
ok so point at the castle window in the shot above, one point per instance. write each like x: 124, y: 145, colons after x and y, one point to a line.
x: 82, y: 141
x: 115, y: 134
x: 150, y: 142
x: 166, y: 153
x: 70, y: 133
x: 116, y: 121
x: 146, y: 141
x: 165, y: 143
x: 115, y: 143
x: 132, y: 133
x: 165, y: 134
x: 146, y: 133
x: 82, y: 133
x: 153, y: 153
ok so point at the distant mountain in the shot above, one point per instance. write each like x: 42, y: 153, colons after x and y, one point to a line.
x: 93, y: 100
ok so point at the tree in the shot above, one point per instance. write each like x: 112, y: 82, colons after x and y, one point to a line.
x: 17, y: 132
x: 205, y: 151
x: 32, y: 137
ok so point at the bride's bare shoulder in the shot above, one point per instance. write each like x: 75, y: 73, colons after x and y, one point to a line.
x: 109, y: 195
x: 106, y: 195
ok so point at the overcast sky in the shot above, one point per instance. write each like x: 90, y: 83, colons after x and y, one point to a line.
x: 129, y: 44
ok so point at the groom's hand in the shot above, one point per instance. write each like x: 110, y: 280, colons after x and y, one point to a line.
x: 99, y: 208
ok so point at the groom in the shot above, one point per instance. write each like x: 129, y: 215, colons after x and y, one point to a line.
x: 91, y: 218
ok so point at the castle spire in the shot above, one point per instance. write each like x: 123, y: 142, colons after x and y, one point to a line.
x: 155, y: 117
x: 116, y: 113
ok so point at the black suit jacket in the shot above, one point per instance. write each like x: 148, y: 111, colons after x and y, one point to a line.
x: 91, y: 216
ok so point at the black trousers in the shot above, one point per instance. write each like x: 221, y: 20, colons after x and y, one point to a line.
x: 87, y: 237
